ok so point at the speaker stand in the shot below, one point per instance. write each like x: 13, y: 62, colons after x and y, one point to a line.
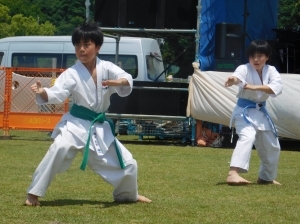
x: 245, y: 34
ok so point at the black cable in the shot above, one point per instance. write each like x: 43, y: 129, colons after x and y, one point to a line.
x: 172, y: 62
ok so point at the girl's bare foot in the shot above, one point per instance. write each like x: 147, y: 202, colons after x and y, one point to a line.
x: 143, y: 199
x: 261, y: 181
x: 32, y: 200
x: 234, y: 178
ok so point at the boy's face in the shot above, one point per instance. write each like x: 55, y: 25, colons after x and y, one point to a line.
x: 86, y: 51
x: 258, y: 61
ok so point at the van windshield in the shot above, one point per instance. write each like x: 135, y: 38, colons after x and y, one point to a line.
x: 127, y: 62
x: 153, y: 66
x: 1, y: 56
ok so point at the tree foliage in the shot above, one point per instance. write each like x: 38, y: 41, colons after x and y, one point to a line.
x: 65, y: 15
x: 19, y: 25
x: 4, y: 21
x: 179, y: 52
x: 289, y: 14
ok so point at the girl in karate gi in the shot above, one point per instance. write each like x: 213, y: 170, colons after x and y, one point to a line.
x: 257, y: 81
x: 90, y: 82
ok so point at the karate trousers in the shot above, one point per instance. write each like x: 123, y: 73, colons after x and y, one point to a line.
x: 62, y: 152
x: 267, y: 147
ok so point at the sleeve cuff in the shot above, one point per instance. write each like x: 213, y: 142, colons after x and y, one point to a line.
x: 241, y: 84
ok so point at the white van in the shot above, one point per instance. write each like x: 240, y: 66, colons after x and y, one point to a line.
x: 141, y: 57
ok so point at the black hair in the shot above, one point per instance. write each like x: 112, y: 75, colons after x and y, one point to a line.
x: 89, y: 31
x: 259, y: 47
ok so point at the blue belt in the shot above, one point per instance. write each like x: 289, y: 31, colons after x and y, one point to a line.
x: 244, y: 103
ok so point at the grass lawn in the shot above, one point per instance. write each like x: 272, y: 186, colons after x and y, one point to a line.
x: 186, y: 184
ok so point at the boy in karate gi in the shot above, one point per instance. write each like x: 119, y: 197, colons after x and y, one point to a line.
x: 91, y: 82
x: 257, y: 81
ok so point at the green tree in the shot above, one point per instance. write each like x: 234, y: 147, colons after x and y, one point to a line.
x: 25, y: 26
x: 26, y: 8
x: 19, y: 25
x: 298, y: 7
x: 4, y: 21
x: 289, y: 14
x: 65, y: 15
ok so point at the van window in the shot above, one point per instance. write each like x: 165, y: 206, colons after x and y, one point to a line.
x: 153, y: 66
x: 44, y: 60
x: 69, y: 60
x: 1, y: 56
x: 127, y: 62
x: 36, y: 60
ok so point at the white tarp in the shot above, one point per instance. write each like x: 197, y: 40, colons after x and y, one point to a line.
x: 210, y: 101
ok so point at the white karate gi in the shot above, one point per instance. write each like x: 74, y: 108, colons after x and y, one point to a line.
x: 71, y: 133
x: 259, y: 131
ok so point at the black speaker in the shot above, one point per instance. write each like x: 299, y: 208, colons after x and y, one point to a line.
x: 126, y: 13
x: 228, y: 41
x: 141, y: 14
x: 181, y: 14
x: 107, y: 13
x: 146, y: 14
x: 226, y: 65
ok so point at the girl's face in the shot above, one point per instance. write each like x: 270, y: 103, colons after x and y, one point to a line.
x: 86, y: 51
x: 258, y: 61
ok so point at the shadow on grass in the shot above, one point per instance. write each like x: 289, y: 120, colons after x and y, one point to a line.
x: 290, y: 145
x: 174, y: 142
x: 235, y: 185
x: 249, y: 184
x: 28, y: 138
x: 72, y: 202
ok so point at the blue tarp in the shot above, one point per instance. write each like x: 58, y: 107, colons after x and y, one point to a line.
x: 260, y: 20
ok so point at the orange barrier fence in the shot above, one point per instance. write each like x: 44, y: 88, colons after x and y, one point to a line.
x: 18, y: 109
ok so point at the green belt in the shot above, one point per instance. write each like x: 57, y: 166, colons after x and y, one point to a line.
x: 87, y: 114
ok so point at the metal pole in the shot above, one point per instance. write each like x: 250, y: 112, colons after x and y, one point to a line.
x: 144, y: 30
x: 117, y: 38
x: 161, y: 88
x: 197, y: 35
x: 117, y: 49
x: 144, y: 117
x: 87, y: 10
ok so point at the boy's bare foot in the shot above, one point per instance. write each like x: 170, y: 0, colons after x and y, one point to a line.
x: 32, y: 200
x: 261, y: 181
x: 234, y: 178
x: 143, y: 199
